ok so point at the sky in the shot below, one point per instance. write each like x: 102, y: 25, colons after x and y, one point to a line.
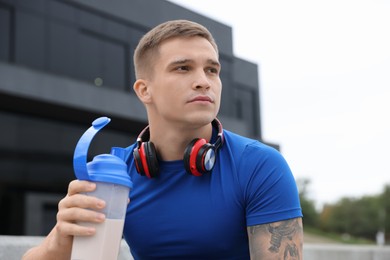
x: 324, y: 70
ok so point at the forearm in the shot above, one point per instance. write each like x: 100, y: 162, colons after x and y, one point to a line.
x: 72, y: 209
x: 53, y: 247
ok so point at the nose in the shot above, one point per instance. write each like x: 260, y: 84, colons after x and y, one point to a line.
x: 201, y: 81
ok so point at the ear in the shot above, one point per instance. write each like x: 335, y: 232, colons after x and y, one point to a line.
x: 142, y: 89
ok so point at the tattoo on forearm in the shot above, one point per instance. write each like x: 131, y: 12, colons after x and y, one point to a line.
x: 291, y: 252
x: 283, y: 237
x: 286, y: 229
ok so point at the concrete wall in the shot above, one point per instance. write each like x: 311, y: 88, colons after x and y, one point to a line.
x: 13, y: 247
x: 345, y: 252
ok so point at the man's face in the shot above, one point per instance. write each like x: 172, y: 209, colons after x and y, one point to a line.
x: 185, y: 86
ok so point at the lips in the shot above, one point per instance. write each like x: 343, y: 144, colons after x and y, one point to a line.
x: 201, y: 99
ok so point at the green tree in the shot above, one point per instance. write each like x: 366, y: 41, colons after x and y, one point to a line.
x: 357, y: 217
x: 385, y: 210
x: 310, y: 214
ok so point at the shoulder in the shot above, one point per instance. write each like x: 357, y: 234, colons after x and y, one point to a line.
x: 236, y: 140
x: 251, y: 151
x: 265, y: 179
x: 128, y: 151
x: 257, y: 165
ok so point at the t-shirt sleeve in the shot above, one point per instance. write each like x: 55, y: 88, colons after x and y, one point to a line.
x: 269, y: 188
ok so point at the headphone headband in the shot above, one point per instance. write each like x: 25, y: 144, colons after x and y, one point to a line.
x: 199, y: 156
x: 145, y: 134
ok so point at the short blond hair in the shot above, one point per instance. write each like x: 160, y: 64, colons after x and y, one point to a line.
x: 147, y: 47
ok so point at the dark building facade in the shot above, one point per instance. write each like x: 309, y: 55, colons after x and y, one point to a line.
x: 65, y: 63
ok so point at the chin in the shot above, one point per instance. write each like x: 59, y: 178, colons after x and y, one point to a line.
x: 202, y: 118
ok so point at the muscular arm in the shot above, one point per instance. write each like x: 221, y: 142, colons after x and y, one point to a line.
x: 75, y: 207
x: 278, y: 240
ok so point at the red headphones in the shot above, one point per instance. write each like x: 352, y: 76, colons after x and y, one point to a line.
x: 199, y: 156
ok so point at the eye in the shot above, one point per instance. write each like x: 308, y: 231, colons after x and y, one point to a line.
x: 212, y: 70
x: 182, y: 68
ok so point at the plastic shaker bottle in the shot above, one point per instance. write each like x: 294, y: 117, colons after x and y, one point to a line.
x: 113, y: 184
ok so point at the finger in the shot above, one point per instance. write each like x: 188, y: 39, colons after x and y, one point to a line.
x: 74, y: 215
x: 81, y: 201
x: 77, y: 186
x: 72, y: 229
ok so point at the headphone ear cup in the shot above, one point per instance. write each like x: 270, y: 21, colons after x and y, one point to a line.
x: 205, y: 158
x: 191, y: 156
x: 151, y: 159
x: 145, y: 158
x: 187, y: 155
x: 138, y: 162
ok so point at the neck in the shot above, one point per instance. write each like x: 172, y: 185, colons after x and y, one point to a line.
x: 170, y: 142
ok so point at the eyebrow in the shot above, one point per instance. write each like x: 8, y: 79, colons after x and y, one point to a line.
x: 184, y: 61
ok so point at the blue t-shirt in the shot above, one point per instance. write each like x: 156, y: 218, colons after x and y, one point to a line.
x: 180, y: 216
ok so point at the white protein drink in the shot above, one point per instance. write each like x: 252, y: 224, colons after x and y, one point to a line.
x: 103, y: 245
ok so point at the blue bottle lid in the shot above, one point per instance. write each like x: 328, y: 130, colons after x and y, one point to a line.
x: 109, y: 168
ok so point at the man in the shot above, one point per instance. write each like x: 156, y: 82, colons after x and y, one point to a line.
x: 200, y: 192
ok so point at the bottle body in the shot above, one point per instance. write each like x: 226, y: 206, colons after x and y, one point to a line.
x: 106, y: 242
x: 113, y: 184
